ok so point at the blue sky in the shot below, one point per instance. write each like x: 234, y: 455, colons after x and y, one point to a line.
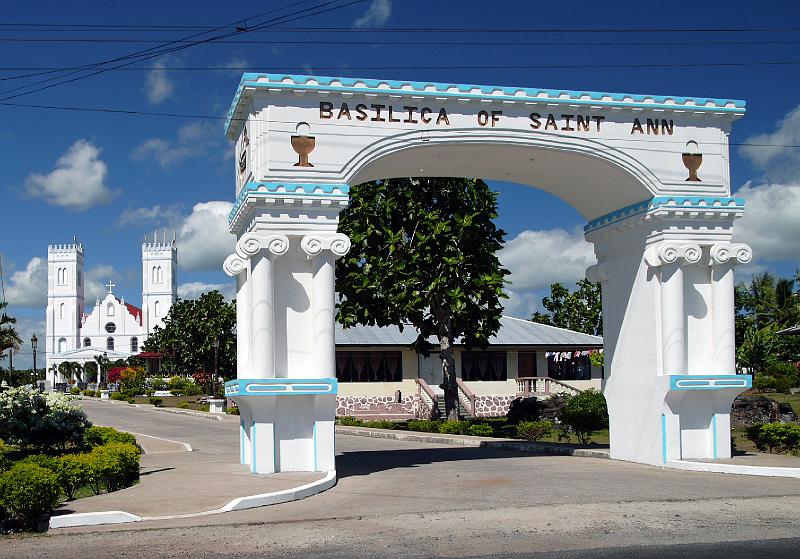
x: 110, y: 178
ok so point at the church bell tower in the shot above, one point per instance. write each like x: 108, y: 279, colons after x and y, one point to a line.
x: 159, y: 280
x: 64, y: 298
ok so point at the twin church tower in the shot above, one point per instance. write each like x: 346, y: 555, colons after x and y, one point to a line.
x: 112, y: 326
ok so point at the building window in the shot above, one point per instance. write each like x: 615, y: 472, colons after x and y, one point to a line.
x: 111, y: 327
x: 110, y: 343
x: 61, y: 276
x: 483, y: 365
x: 369, y: 366
x: 569, y: 365
x: 61, y: 310
x: 134, y: 345
x: 110, y: 309
x: 87, y: 342
x: 526, y: 364
x: 62, y: 345
x: 156, y: 310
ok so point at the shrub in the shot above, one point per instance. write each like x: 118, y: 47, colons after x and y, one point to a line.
x: 380, y: 424
x: 524, y: 409
x: 177, y: 383
x: 232, y: 411
x: 156, y: 401
x: 157, y: 384
x: 89, y: 393
x: 5, y: 462
x: 783, y: 437
x: 350, y: 421
x: 424, y: 425
x: 27, y: 492
x: 584, y: 414
x: 534, y: 430
x: 118, y: 396
x: 99, y: 436
x: 453, y: 427
x: 74, y: 390
x: 480, y: 430
x: 764, y: 381
x: 40, y: 420
x: 184, y: 405
x: 43, y: 461
x: 131, y: 400
x: 192, y: 390
x: 73, y: 472
x: 116, y: 465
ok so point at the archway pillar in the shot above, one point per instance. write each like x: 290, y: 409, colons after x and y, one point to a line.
x: 667, y: 279
x: 286, y: 368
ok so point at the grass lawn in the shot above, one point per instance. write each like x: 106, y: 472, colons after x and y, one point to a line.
x: 190, y: 402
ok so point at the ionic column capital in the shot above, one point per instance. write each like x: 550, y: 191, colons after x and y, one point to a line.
x: 313, y: 245
x: 251, y: 244
x: 234, y: 265
x: 673, y: 252
x: 731, y: 253
x: 598, y: 273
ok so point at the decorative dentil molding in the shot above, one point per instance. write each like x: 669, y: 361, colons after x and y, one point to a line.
x: 313, y: 245
x: 250, y: 244
x: 733, y: 253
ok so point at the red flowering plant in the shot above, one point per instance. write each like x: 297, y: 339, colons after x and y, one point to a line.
x: 114, y: 373
x: 202, y: 378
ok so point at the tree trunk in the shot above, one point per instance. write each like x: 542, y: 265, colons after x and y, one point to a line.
x: 448, y: 365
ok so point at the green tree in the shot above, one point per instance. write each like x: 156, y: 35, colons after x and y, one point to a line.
x: 580, y: 310
x: 424, y: 254
x: 190, y: 328
x: 70, y: 369
x: 9, y: 339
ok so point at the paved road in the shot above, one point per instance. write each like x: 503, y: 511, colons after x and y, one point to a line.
x: 398, y: 498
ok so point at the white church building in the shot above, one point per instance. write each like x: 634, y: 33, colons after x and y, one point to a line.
x: 111, y: 327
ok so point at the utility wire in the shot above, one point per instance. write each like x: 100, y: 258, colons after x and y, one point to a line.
x: 153, y: 52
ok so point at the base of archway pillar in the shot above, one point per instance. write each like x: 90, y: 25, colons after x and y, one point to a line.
x: 285, y: 425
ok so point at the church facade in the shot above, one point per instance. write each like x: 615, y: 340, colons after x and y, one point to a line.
x: 111, y: 326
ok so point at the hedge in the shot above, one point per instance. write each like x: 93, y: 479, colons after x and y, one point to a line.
x: 27, y: 492
x: 99, y: 436
x: 116, y: 465
x: 534, y: 430
x: 780, y: 437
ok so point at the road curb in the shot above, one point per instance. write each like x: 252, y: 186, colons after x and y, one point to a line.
x: 740, y: 469
x: 473, y: 442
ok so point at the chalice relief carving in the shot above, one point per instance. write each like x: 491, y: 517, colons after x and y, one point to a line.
x: 303, y: 144
x: 692, y: 159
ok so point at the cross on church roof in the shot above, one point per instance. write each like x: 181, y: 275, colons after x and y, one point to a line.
x: 110, y: 286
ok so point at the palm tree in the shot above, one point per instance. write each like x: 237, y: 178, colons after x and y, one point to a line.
x: 8, y: 335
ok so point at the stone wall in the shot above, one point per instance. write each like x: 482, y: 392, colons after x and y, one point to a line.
x: 493, y: 406
x: 374, y: 405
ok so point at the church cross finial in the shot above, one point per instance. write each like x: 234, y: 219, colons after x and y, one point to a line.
x: 110, y: 286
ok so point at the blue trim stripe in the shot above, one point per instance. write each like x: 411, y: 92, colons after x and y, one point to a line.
x: 314, y: 437
x: 714, y: 433
x: 664, y: 438
x: 287, y: 189
x: 710, y: 382
x: 638, y: 208
x: 280, y: 387
x: 294, y: 82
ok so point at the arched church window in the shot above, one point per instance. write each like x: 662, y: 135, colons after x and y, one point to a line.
x: 87, y: 342
x: 134, y: 345
x: 111, y: 327
x: 110, y: 343
x: 61, y: 310
x: 110, y: 309
x: 160, y: 275
x: 155, y: 274
x: 62, y: 345
x: 156, y: 309
x: 60, y: 276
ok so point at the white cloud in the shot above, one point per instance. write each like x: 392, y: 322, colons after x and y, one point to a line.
x: 28, y: 287
x: 194, y: 139
x: 777, y: 156
x: 537, y: 259
x: 193, y: 289
x: 155, y: 214
x: 77, y: 182
x: 376, y: 14
x: 237, y: 65
x: 26, y: 327
x: 158, y: 86
x: 771, y: 221
x: 203, y: 238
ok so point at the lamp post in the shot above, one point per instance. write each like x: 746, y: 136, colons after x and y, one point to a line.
x: 102, y: 366
x: 34, y: 345
x: 216, y: 372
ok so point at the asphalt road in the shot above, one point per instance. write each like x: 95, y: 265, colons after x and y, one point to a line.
x: 403, y: 499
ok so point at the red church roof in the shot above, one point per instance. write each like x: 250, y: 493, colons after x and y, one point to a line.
x: 135, y: 311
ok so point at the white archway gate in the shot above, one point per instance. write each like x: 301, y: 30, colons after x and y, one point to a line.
x: 649, y: 173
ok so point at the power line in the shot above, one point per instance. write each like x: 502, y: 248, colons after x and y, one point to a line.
x: 444, y: 67
x: 153, y: 52
x: 403, y: 43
